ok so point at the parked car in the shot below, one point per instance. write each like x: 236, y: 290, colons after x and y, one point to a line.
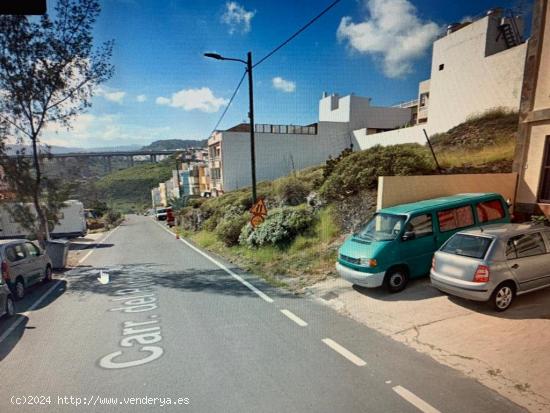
x: 494, y: 263
x: 23, y: 264
x: 162, y: 213
x: 398, y: 242
x: 7, y: 305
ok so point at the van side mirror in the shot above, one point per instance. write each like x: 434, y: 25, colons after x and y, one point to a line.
x: 409, y: 235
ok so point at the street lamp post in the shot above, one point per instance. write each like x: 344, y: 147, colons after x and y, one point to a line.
x: 248, y: 64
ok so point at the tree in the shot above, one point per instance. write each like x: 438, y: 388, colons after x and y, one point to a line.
x: 48, y: 71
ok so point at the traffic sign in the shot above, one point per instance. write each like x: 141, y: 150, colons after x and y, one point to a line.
x: 259, y: 212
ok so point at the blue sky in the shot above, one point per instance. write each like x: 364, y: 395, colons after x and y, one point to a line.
x: 163, y: 88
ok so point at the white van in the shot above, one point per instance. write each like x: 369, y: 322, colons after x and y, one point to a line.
x: 72, y: 222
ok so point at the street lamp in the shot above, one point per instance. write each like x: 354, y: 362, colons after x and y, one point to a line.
x: 248, y: 63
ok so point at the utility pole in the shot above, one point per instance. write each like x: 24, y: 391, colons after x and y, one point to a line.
x: 251, y: 117
x: 249, y: 68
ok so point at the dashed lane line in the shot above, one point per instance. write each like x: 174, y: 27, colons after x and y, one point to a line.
x: 344, y: 352
x: 415, y: 400
x: 294, y: 317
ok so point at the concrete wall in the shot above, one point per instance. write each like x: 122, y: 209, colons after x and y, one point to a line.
x: 395, y: 190
x: 412, y: 134
x: 358, y: 113
x: 472, y: 82
x: 534, y: 128
x: 278, y: 154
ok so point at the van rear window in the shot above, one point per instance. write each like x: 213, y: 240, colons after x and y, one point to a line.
x: 467, y: 245
x: 490, y: 210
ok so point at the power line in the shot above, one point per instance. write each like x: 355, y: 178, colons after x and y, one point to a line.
x: 267, y: 56
x: 229, y: 103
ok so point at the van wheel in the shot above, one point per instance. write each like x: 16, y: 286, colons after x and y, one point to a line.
x: 19, y: 289
x: 10, y: 307
x: 396, y: 280
x: 47, y: 275
x: 503, y: 296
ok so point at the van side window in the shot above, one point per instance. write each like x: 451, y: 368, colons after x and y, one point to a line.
x: 490, y: 211
x: 455, y: 218
x: 421, y: 225
x: 526, y: 245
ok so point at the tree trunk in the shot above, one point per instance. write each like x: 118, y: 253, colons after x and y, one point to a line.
x: 42, y: 233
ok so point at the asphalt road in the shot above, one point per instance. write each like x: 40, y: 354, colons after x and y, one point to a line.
x: 172, y: 326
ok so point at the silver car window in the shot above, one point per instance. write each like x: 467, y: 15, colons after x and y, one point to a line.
x: 525, y: 245
x: 32, y: 250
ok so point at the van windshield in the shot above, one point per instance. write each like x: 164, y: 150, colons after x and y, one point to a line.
x: 382, y: 227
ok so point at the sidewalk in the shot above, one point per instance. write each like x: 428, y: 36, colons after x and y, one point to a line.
x: 508, y: 352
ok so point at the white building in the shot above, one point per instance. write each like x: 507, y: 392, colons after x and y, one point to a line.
x: 476, y: 66
x: 281, y: 149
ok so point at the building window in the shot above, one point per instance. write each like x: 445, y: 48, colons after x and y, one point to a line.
x: 545, y: 188
x: 441, y: 66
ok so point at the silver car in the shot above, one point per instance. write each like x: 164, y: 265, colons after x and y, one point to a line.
x: 22, y: 264
x: 494, y: 263
x: 7, y: 306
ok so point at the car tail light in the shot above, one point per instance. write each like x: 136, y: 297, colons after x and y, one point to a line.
x: 5, y: 269
x: 433, y: 263
x: 482, y: 274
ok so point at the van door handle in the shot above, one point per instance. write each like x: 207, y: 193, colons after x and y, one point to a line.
x: 515, y: 266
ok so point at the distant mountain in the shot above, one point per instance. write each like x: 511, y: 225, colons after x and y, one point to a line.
x: 12, y: 149
x: 171, y: 144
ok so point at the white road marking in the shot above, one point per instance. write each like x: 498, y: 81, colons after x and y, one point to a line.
x: 16, y: 323
x: 415, y: 400
x: 344, y: 352
x: 294, y: 318
x: 261, y: 294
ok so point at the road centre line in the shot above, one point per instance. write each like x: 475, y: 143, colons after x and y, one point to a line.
x: 261, y: 294
x: 415, y: 400
x: 344, y: 352
x: 294, y: 318
x: 48, y: 292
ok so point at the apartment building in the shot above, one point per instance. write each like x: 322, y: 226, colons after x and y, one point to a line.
x: 282, y: 149
x: 199, y: 179
x: 532, y: 160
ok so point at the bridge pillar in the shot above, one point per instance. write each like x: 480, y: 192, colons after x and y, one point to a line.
x: 108, y: 164
x: 153, y: 158
x: 131, y: 160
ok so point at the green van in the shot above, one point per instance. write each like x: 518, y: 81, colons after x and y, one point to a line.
x: 398, y: 242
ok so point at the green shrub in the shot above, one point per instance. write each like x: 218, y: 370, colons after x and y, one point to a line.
x: 229, y: 227
x: 280, y: 227
x: 360, y: 171
x: 291, y: 191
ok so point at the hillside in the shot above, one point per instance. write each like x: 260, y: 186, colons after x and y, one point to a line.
x: 484, y: 143
x: 170, y: 144
x: 296, y: 245
x: 130, y: 189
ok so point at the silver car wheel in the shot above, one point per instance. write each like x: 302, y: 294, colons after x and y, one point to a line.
x: 10, y: 307
x: 20, y: 289
x: 504, y: 297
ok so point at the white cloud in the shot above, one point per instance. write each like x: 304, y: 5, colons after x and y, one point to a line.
x: 90, y: 130
x: 194, y: 99
x: 237, y: 17
x: 283, y: 85
x: 162, y: 101
x: 141, y: 98
x: 393, y: 33
x: 111, y: 95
